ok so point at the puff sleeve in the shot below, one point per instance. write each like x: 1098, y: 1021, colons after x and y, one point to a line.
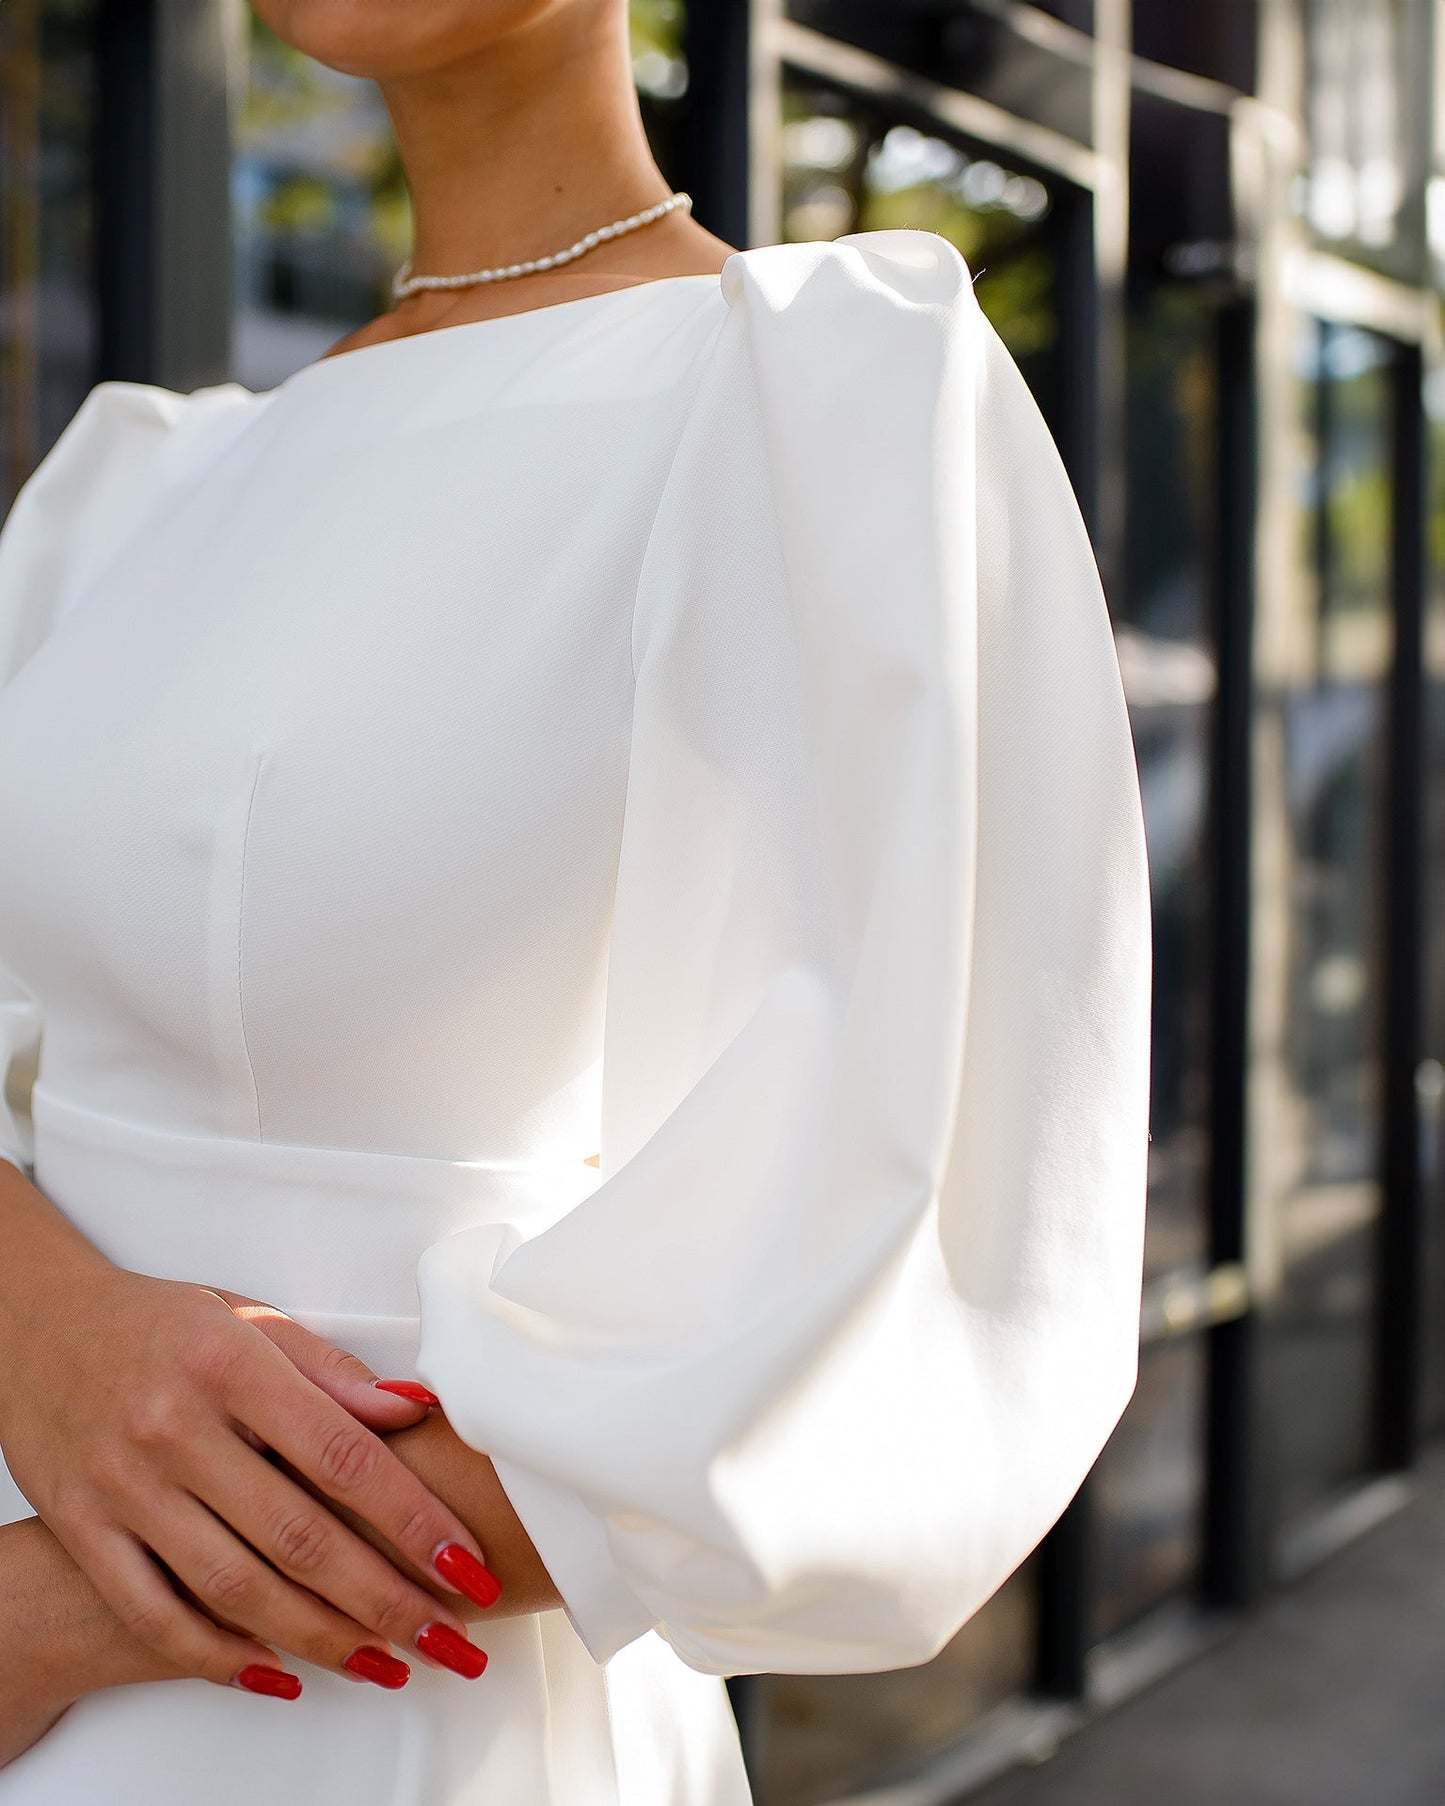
x: 855, y: 1304
x: 68, y: 512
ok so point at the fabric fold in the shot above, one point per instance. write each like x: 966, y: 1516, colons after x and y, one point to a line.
x: 855, y: 1305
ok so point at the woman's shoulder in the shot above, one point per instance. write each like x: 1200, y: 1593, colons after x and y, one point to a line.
x: 852, y: 336
x: 107, y: 440
x: 836, y: 350
x: 119, y: 410
x: 87, y: 491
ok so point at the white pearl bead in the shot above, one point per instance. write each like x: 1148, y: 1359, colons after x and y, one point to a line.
x: 405, y: 283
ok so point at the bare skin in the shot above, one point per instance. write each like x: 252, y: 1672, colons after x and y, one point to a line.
x: 59, y: 1640
x: 112, y: 1426
x: 519, y: 130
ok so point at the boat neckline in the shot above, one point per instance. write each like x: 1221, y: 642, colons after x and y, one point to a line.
x: 495, y: 320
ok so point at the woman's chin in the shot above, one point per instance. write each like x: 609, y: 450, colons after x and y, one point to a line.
x: 386, y: 39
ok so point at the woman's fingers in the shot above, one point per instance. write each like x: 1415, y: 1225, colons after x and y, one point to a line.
x: 233, y: 1584
x: 183, y: 1640
x: 308, y: 1544
x: 347, y: 1462
x: 111, y: 1418
x: 339, y: 1374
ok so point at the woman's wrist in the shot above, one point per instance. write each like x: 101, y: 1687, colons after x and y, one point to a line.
x: 59, y: 1636
x: 466, y: 1480
x: 43, y: 1250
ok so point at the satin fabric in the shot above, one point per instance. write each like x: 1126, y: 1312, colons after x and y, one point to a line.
x: 679, y: 726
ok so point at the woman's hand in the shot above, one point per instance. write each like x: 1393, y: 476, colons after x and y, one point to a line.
x: 450, y: 1469
x: 133, y: 1419
x: 466, y: 1480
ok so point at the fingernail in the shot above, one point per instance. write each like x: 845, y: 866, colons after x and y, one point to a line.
x: 408, y: 1389
x: 274, y: 1682
x: 443, y: 1645
x: 462, y: 1571
x: 374, y: 1664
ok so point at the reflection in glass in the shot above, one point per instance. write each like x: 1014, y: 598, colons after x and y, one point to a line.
x: 1430, y: 1079
x: 1166, y: 654
x: 1010, y: 56
x: 659, y: 66
x: 1146, y: 1499
x: 850, y: 167
x: 47, y: 304
x: 1146, y: 1490
x: 1329, y: 717
x: 1367, y: 105
x: 821, y: 1736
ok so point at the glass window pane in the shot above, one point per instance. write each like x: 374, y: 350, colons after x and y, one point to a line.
x: 1015, y: 61
x: 1368, y: 112
x: 1218, y: 41
x: 1322, y: 730
x: 47, y: 303
x: 820, y: 1736
x: 1147, y: 1488
x: 1164, y: 630
x: 1430, y: 1079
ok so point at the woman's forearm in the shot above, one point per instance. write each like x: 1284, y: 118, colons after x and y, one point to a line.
x: 58, y: 1639
x: 35, y: 1234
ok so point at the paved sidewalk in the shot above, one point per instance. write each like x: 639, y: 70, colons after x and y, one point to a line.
x: 1332, y: 1695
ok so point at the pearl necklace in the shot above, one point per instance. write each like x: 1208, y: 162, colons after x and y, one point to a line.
x: 404, y: 283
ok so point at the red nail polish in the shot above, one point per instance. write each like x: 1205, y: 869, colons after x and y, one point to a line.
x: 274, y: 1682
x: 376, y: 1665
x: 408, y: 1389
x: 465, y: 1574
x: 443, y: 1645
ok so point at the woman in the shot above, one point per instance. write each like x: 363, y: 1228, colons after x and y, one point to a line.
x: 583, y: 855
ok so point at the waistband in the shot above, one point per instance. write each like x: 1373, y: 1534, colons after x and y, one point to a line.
x: 329, y: 1235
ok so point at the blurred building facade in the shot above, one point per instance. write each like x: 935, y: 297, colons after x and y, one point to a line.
x: 1214, y: 239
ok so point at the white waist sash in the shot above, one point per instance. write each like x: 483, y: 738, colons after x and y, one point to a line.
x: 330, y: 1235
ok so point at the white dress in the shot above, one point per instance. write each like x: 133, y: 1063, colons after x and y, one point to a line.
x: 681, y: 724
